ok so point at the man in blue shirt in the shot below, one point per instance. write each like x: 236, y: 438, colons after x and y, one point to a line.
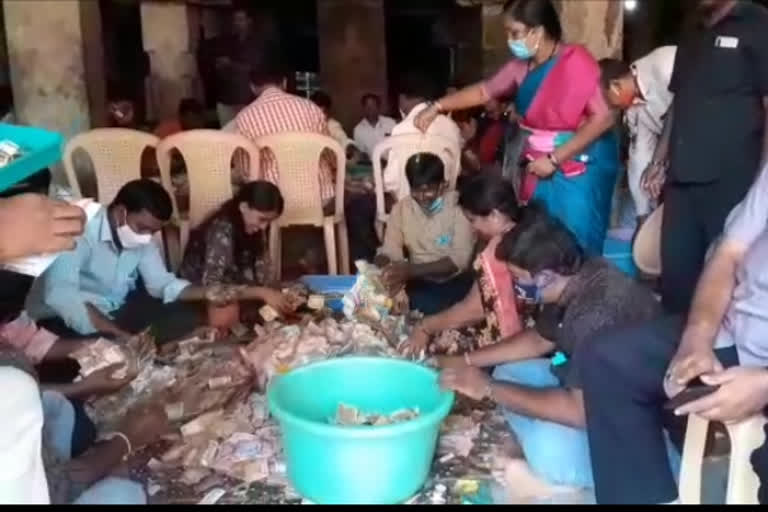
x: 95, y: 288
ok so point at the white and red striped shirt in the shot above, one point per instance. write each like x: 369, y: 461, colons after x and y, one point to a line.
x: 276, y: 111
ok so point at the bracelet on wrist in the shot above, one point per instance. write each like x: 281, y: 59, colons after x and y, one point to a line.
x: 112, y: 435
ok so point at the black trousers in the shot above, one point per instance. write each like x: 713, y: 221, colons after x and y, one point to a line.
x: 623, y: 375
x: 694, y: 216
x: 140, y: 311
x: 760, y: 465
x: 432, y: 298
x: 360, y: 214
x: 13, y: 292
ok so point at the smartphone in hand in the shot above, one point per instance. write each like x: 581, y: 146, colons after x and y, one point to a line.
x: 696, y: 389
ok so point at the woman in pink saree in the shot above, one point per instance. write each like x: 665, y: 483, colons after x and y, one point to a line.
x: 488, y: 314
x: 570, y: 153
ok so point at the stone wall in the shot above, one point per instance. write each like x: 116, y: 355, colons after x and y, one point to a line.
x: 597, y: 24
x: 168, y: 40
x: 47, y: 62
x: 353, y: 53
x: 495, y: 49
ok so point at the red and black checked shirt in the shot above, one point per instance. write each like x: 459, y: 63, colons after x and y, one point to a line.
x: 278, y: 112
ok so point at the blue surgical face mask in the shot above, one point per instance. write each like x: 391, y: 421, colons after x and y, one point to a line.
x: 436, y: 206
x: 520, y: 49
x: 527, y: 292
x: 531, y: 291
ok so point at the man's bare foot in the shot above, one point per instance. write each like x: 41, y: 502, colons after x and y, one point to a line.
x: 523, y: 486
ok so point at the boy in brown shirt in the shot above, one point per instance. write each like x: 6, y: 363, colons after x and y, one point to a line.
x: 430, y: 226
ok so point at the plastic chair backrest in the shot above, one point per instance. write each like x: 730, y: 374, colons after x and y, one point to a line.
x: 745, y: 436
x: 407, y: 146
x: 298, y: 167
x: 116, y: 156
x: 208, y: 159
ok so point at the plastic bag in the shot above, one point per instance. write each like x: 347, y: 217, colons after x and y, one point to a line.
x: 368, y: 298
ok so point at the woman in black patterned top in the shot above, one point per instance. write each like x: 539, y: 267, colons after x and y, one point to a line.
x: 230, y: 246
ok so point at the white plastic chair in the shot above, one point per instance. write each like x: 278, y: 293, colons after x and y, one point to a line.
x: 208, y: 159
x: 646, y: 250
x: 406, y: 146
x: 743, y: 483
x: 116, y: 155
x: 298, y: 166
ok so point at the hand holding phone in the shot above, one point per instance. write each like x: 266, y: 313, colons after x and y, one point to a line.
x: 696, y: 389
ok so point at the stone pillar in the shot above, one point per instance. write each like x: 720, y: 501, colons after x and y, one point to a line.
x: 353, y: 53
x: 167, y: 36
x: 47, y: 63
x: 597, y: 24
x: 95, y: 66
x: 5, y: 69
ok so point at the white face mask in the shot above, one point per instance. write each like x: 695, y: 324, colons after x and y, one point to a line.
x: 130, y: 239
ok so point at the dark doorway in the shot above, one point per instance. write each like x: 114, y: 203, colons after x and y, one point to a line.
x: 411, y: 45
x: 435, y: 37
x: 125, y: 62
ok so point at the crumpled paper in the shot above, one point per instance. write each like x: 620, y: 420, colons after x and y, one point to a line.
x: 457, y: 435
x: 239, y: 442
x: 281, y: 348
x: 369, y: 299
x: 93, y: 357
x: 143, y: 348
x: 137, y: 354
x: 296, y: 295
x: 109, y: 411
x: 351, y: 416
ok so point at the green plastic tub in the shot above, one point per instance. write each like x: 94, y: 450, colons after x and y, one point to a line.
x: 40, y: 148
x: 329, y: 464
